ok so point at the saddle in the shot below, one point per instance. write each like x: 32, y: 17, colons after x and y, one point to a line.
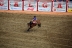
x: 34, y: 21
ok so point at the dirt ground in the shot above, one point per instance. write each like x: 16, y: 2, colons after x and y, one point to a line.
x: 55, y: 32
x: 34, y: 12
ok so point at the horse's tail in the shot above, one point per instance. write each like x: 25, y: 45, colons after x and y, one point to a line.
x: 39, y: 23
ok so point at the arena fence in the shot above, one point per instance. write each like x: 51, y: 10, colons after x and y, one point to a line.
x: 36, y: 5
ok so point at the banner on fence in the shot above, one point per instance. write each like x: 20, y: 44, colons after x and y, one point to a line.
x: 30, y: 5
x: 70, y: 6
x: 44, y: 5
x: 15, y: 5
x: 3, y: 5
x: 59, y: 6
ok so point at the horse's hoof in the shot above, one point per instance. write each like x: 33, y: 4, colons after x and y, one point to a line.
x: 27, y: 30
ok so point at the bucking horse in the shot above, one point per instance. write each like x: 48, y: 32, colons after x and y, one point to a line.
x: 32, y: 24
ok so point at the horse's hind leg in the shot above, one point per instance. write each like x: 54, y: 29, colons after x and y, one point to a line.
x: 28, y: 29
x: 39, y: 25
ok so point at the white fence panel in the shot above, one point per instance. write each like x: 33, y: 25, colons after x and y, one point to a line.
x: 15, y: 5
x: 44, y: 6
x: 30, y: 5
x: 59, y: 7
x: 3, y: 4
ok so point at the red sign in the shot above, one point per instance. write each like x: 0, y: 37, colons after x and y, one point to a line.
x: 1, y: 2
x: 30, y: 5
x: 30, y: 8
x: 59, y: 5
x: 44, y: 5
x: 16, y: 4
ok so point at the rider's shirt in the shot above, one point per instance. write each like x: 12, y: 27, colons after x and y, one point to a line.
x: 34, y: 18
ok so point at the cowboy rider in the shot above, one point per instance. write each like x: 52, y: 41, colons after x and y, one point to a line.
x: 34, y: 19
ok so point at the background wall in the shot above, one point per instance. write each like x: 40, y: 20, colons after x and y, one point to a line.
x: 33, y: 5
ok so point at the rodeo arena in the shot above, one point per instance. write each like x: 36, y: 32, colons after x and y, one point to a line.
x: 35, y: 23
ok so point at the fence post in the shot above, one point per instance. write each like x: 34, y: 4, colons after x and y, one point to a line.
x: 8, y: 4
x: 52, y: 6
x: 22, y: 5
x: 66, y: 5
x: 37, y: 4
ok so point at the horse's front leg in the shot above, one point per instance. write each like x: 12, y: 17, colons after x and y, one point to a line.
x: 28, y: 29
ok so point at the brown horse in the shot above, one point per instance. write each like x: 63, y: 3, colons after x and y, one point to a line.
x: 31, y: 24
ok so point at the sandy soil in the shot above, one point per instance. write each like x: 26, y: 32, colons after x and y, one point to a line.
x: 55, y: 32
x: 35, y: 12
